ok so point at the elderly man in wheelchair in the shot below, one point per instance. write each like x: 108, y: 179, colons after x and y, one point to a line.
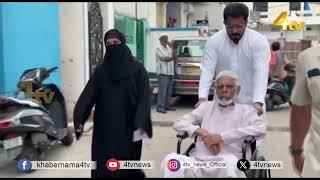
x: 219, y: 127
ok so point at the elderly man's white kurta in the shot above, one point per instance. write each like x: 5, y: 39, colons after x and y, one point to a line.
x: 233, y: 123
x: 249, y: 59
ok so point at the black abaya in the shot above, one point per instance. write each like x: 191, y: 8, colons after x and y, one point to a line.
x: 119, y: 89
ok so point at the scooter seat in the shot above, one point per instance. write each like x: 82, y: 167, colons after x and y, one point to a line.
x: 30, y: 102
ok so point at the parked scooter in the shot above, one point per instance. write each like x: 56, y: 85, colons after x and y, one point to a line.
x: 278, y: 91
x: 29, y: 128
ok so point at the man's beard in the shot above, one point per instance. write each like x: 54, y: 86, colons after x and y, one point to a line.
x: 223, y: 101
x: 235, y: 37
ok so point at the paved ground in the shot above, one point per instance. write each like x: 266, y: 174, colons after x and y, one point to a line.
x: 164, y: 141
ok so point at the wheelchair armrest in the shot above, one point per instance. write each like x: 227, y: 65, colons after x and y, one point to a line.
x: 183, y: 136
x: 248, y: 141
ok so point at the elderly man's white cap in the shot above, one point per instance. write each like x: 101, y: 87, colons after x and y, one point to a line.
x: 228, y: 73
x: 163, y: 34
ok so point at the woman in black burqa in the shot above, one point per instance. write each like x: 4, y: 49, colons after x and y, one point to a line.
x: 119, y: 89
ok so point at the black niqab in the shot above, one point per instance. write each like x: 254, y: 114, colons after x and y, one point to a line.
x: 119, y: 62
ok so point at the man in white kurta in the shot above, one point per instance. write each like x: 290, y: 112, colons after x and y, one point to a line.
x: 165, y: 72
x: 241, y: 50
x: 232, y: 122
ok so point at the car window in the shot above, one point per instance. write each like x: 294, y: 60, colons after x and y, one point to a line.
x: 189, y: 48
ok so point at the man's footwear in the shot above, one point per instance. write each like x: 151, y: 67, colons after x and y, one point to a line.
x: 171, y: 109
x: 160, y: 110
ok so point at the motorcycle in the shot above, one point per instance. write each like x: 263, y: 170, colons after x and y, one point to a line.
x: 28, y: 128
x: 278, y: 91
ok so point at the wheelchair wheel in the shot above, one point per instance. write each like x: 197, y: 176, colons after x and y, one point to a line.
x: 263, y: 173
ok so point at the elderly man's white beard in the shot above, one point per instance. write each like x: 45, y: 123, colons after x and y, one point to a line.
x: 224, y: 101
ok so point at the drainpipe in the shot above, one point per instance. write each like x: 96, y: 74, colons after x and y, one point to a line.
x: 136, y: 4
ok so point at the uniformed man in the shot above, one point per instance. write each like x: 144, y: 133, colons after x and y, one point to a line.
x: 305, y: 114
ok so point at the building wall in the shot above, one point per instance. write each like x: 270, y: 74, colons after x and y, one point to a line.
x: 196, y: 11
x: 289, y: 35
x: 174, y: 10
x: 314, y: 32
x: 293, y: 35
x: 107, y: 13
x: 30, y: 38
x: 187, y: 8
x: 161, y: 14
x: 271, y: 35
x: 127, y: 8
x: 73, y: 51
x: 1, y: 58
x: 145, y: 10
x: 214, y: 11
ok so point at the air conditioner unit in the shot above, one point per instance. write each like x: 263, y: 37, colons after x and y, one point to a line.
x: 254, y: 16
x: 294, y: 6
x: 260, y: 6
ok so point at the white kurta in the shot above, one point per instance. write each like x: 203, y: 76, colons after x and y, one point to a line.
x: 233, y: 123
x: 164, y: 67
x: 249, y: 59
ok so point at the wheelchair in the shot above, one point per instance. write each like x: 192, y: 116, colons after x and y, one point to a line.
x: 249, y: 142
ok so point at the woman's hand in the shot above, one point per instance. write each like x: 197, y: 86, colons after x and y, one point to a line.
x: 79, y: 131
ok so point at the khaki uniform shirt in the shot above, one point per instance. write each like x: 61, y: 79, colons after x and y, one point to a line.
x: 305, y: 92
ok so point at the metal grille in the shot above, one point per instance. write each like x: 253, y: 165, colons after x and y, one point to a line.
x: 95, y: 35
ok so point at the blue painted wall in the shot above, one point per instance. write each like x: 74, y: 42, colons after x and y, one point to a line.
x: 1, y: 56
x: 30, y: 38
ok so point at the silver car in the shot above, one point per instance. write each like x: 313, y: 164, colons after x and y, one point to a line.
x: 189, y: 53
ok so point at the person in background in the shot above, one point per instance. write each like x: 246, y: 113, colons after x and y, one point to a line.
x: 279, y: 70
x: 165, y: 72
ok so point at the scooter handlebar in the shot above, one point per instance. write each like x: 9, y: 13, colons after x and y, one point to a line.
x: 52, y: 69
